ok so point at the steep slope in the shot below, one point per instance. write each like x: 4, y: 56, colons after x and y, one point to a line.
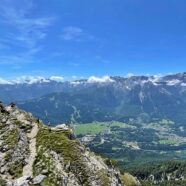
x: 33, y: 154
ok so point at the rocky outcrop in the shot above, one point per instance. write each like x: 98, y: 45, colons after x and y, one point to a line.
x: 34, y: 154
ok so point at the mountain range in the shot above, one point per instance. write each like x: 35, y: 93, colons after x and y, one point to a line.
x: 102, y: 99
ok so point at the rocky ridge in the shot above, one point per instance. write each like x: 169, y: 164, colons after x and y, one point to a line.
x: 33, y: 154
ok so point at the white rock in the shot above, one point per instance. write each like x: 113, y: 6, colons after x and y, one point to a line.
x: 38, y: 179
x: 62, y: 127
x: 22, y: 181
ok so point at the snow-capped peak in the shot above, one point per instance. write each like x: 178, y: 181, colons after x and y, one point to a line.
x: 104, y: 79
x: 31, y: 80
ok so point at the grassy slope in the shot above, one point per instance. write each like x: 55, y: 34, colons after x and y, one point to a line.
x: 69, y: 150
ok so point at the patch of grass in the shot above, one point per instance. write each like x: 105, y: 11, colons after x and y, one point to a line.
x: 16, y: 169
x: 2, y: 125
x: 17, y: 122
x: 110, y: 162
x: 60, y: 143
x: 45, y: 163
x: 2, y: 182
x: 11, y: 138
x: 105, y: 181
x: 166, y: 142
x: 128, y: 180
x: 49, y: 181
x: 23, y: 126
x: 96, y: 127
x: 89, y: 129
x: 8, y: 155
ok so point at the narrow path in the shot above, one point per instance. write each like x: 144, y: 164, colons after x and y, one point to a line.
x: 27, y: 169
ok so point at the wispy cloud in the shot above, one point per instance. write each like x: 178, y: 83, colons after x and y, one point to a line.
x: 3, y: 46
x: 72, y: 33
x: 101, y: 59
x: 26, y: 31
x: 15, y: 59
x: 19, y: 58
x: 74, y: 64
x: 57, y: 78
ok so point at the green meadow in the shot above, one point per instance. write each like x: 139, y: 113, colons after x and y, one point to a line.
x: 96, y: 127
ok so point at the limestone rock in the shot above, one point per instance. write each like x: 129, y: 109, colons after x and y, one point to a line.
x: 38, y: 179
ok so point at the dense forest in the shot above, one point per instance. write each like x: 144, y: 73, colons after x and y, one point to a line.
x: 168, y: 173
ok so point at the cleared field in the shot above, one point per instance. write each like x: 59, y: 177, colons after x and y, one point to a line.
x: 167, y: 142
x: 96, y: 127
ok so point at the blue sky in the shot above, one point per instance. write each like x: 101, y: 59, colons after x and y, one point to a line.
x: 80, y: 38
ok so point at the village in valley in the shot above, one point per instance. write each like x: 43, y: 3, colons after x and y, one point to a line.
x: 149, y: 141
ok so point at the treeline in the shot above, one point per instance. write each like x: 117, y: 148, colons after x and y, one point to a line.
x: 163, y: 147
x: 169, y: 173
x: 165, y: 183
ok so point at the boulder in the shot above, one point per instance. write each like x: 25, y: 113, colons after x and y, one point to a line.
x: 38, y: 179
x: 62, y: 127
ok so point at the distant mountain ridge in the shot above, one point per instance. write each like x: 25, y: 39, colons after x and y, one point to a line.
x: 16, y: 90
x: 103, y: 99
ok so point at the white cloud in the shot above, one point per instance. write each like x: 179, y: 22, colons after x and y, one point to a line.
x: 173, y: 82
x: 25, y: 31
x: 29, y: 80
x: 183, y: 84
x: 57, y: 78
x: 130, y: 75
x: 101, y: 59
x: 29, y: 30
x: 15, y: 60
x: 93, y: 79
x: 104, y: 79
x: 72, y: 33
x: 76, y: 82
x: 155, y: 79
x: 3, y: 81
